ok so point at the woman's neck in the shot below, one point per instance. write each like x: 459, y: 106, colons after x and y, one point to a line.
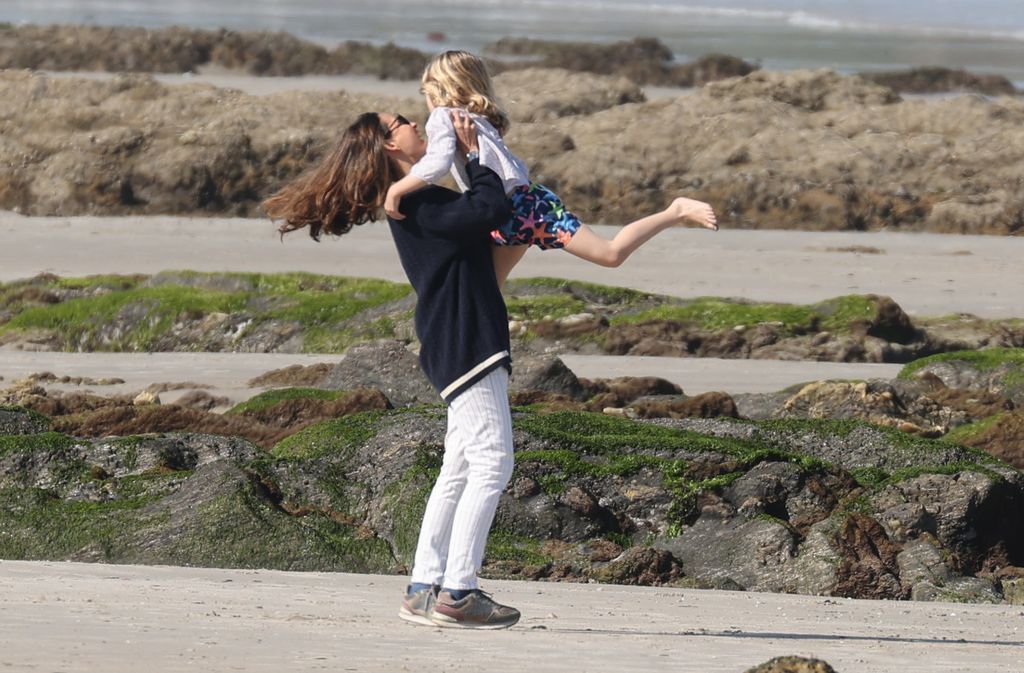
x: 402, y: 163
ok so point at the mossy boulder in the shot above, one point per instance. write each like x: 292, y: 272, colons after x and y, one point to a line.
x: 21, y: 421
x: 808, y: 506
x: 1000, y: 370
x: 793, y: 664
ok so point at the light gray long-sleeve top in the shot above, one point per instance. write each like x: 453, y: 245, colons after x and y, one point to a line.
x: 442, y: 157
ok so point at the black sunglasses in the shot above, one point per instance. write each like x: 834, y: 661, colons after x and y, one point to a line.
x: 399, y: 121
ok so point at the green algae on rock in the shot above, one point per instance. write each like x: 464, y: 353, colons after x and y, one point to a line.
x: 832, y: 506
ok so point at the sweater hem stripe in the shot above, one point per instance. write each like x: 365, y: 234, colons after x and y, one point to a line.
x: 474, y: 373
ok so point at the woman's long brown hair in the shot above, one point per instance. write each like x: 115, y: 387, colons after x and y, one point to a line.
x: 347, y: 188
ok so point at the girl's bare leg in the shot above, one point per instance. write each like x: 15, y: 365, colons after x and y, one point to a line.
x: 505, y: 259
x: 587, y: 245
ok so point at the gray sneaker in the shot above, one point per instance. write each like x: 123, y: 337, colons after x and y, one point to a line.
x: 416, y: 607
x: 475, y: 611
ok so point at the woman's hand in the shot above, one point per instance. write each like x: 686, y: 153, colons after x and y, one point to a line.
x: 465, y: 131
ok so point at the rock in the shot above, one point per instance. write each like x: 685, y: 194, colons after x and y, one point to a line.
x: 709, y: 68
x: 869, y: 567
x: 582, y: 93
x: 546, y: 374
x: 792, y: 664
x: 957, y: 590
x: 890, y: 322
x: 202, y: 400
x: 581, y: 324
x: 809, y: 90
x: 966, y: 512
x: 1013, y: 591
x: 765, y: 489
x: 752, y: 554
x: 20, y: 421
x: 146, y: 397
x: 639, y: 566
x: 176, y: 49
x: 1002, y: 379
x: 921, y: 561
x: 629, y: 388
x: 760, y: 406
x: 293, y: 375
x: 387, y: 365
x: 705, y: 405
x: 1003, y: 437
x: 941, y: 80
x: 642, y: 60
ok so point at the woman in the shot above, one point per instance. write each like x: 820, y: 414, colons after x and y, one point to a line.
x: 445, y: 245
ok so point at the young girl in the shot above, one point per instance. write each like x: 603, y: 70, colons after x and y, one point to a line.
x: 458, y: 79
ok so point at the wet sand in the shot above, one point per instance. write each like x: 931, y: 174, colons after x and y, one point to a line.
x: 227, y: 374
x: 927, y: 274
x: 85, y: 618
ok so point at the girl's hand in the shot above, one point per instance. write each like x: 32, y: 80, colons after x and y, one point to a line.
x: 391, y: 202
x: 465, y: 131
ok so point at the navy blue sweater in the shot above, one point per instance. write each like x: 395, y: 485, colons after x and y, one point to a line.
x: 445, y: 246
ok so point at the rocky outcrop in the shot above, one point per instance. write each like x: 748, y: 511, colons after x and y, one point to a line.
x: 747, y: 152
x: 642, y: 60
x: 120, y: 147
x: 824, y: 508
x: 942, y: 80
x: 285, y: 316
x: 177, y: 49
x: 812, y: 91
x: 528, y: 98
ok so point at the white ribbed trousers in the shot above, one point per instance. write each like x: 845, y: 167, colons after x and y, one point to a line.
x: 477, y: 465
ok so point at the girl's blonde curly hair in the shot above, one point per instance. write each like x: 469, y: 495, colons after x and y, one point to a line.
x: 460, y: 79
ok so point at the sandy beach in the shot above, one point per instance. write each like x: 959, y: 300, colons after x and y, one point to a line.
x: 83, y: 618
x: 92, y: 617
x: 927, y: 274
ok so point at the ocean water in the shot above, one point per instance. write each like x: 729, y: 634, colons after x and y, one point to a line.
x: 846, y: 35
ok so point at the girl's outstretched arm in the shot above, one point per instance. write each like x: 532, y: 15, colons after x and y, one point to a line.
x: 392, y: 200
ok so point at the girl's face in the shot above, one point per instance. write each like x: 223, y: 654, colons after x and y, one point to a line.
x: 404, y: 135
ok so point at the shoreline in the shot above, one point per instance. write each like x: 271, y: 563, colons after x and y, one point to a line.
x: 773, y: 41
